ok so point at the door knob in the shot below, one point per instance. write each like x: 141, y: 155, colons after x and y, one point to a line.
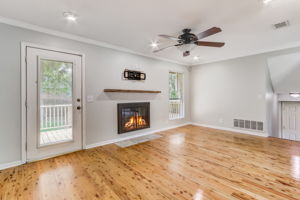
x: 78, y: 107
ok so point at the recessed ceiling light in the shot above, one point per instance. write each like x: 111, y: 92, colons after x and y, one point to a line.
x: 70, y: 16
x: 267, y: 1
x: 196, y: 58
x: 154, y: 45
x: 295, y: 95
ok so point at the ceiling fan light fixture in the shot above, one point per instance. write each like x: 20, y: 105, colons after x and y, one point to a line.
x: 187, y: 41
x: 186, y: 47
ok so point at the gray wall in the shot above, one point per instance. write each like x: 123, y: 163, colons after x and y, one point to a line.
x: 236, y: 88
x: 103, y: 70
x: 272, y: 119
x: 228, y: 90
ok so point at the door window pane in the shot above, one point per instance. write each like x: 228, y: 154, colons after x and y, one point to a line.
x: 55, y: 102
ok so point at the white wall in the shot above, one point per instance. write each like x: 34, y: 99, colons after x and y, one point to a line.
x: 228, y: 90
x: 236, y: 88
x: 103, y: 70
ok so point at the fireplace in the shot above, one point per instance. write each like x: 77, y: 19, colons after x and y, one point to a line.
x: 133, y: 116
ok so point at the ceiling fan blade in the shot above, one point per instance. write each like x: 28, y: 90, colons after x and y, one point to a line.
x: 169, y: 37
x: 158, y: 50
x: 209, y: 32
x: 210, y: 44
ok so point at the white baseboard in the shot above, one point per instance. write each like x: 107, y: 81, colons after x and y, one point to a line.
x: 52, y: 155
x: 11, y: 164
x: 261, y: 134
x: 89, y: 146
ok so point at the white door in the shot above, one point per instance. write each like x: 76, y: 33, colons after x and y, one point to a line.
x: 291, y: 121
x: 54, y: 121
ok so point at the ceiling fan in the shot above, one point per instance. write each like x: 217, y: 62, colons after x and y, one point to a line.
x: 187, y: 41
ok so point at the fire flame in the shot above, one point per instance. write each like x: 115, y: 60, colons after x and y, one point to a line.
x: 135, y: 121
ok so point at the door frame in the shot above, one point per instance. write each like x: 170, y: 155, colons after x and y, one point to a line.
x: 280, y: 127
x: 24, y: 46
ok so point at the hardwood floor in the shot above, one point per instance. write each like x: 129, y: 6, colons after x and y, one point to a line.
x: 186, y: 163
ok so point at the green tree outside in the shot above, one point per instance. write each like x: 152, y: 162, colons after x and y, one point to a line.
x: 56, y: 78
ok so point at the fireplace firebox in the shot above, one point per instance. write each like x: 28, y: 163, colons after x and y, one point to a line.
x: 133, y: 116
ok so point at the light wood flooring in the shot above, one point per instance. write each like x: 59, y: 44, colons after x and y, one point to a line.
x: 186, y: 163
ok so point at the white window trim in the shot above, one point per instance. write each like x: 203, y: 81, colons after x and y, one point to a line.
x: 182, y: 116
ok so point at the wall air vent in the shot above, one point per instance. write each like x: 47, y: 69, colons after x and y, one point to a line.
x: 248, y: 124
x: 281, y: 24
x: 241, y: 123
x: 236, y: 123
x: 253, y: 125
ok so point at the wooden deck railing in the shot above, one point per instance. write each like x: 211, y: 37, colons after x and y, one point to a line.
x: 55, y: 116
x: 175, y: 109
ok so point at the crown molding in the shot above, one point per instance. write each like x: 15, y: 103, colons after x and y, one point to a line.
x: 48, y: 31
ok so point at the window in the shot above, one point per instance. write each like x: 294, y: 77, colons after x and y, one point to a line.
x: 176, y: 106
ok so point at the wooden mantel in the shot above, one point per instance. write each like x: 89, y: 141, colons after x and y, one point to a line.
x: 131, y: 91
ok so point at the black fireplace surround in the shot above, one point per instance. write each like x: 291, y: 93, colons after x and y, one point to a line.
x: 133, y: 116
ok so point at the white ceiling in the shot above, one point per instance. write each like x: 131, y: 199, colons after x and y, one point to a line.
x: 133, y: 24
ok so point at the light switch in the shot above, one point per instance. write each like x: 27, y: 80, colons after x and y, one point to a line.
x: 90, y: 99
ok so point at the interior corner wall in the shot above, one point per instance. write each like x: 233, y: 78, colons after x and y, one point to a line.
x: 234, y: 89
x: 272, y: 105
x: 104, y: 69
x: 228, y: 90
